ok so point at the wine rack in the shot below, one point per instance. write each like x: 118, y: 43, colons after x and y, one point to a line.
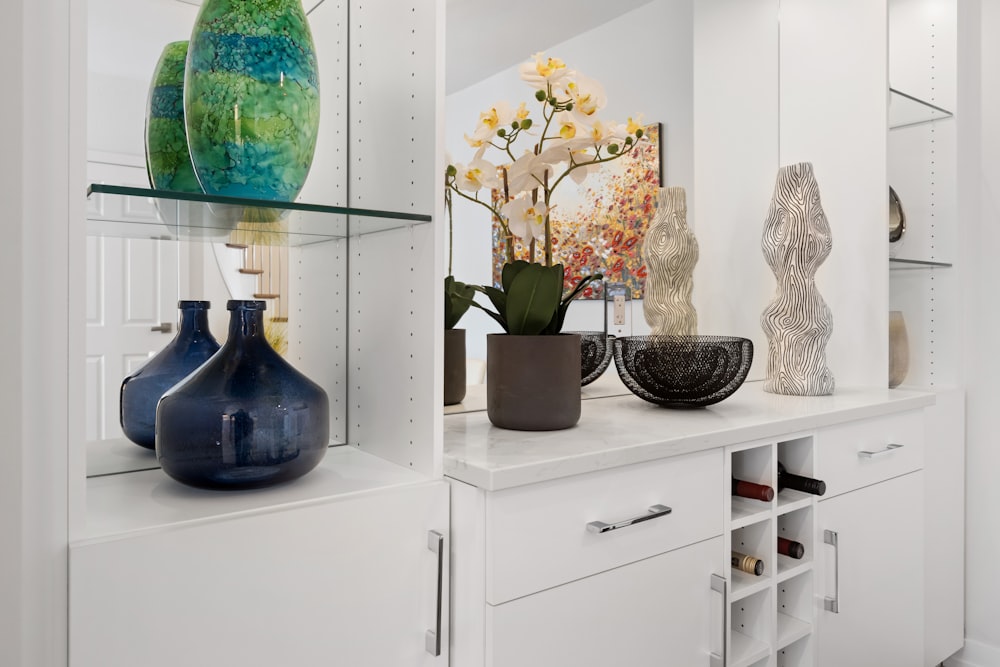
x: 771, y: 620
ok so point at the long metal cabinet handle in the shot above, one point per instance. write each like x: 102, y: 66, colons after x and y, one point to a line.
x: 833, y: 603
x: 654, y: 512
x: 435, y: 542
x: 719, y: 585
x: 889, y: 449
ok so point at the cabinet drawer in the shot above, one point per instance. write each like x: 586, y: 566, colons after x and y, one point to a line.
x: 866, y: 452
x: 537, y: 536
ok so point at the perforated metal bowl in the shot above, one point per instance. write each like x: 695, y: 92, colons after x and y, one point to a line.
x: 595, y: 354
x: 683, y: 371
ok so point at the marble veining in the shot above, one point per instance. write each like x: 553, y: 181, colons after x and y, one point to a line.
x: 623, y: 430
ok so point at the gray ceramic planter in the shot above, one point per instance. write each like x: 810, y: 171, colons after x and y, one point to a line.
x: 533, y: 382
x: 454, y: 366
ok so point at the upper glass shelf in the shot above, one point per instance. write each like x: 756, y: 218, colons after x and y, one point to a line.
x: 905, y: 110
x: 900, y: 263
x: 115, y: 210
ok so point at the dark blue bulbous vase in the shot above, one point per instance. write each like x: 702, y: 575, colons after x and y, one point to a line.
x: 246, y: 418
x: 191, y: 347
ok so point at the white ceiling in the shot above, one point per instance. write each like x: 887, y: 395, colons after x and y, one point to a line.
x: 484, y: 37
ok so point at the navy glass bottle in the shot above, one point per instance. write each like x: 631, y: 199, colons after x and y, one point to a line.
x: 246, y: 418
x: 190, y: 348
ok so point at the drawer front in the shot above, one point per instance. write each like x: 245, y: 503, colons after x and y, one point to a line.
x: 537, y: 536
x: 866, y: 452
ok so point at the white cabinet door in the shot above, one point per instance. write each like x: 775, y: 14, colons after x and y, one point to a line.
x: 660, y: 611
x: 348, y: 582
x: 874, y: 573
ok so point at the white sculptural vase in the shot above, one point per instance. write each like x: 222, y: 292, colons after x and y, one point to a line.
x: 797, y: 322
x: 670, y: 252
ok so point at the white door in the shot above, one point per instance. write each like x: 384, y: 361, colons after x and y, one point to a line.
x: 658, y: 612
x: 350, y: 582
x: 875, y: 573
x: 132, y: 292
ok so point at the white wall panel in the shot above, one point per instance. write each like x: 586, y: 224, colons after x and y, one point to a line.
x: 736, y: 134
x: 834, y: 89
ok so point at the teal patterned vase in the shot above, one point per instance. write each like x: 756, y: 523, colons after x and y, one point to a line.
x: 251, y: 98
x: 168, y: 162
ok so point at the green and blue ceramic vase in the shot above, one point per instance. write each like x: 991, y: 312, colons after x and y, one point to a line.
x: 251, y: 98
x: 168, y: 162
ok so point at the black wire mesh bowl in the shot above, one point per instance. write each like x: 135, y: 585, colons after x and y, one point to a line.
x: 683, y: 371
x: 595, y: 354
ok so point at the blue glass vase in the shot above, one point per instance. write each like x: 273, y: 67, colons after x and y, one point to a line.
x: 190, y: 348
x: 246, y: 418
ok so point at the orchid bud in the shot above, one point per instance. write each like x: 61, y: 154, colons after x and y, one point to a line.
x: 526, y: 123
x: 540, y: 95
x: 451, y: 171
x: 569, y: 107
x: 515, y: 125
x: 613, y: 149
x: 502, y: 132
x: 639, y: 133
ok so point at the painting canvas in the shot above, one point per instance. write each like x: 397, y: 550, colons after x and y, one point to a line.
x: 599, y: 225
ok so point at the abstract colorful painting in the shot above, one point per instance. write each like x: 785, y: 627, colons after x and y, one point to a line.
x: 599, y: 225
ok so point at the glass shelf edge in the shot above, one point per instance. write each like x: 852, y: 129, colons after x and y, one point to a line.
x: 929, y: 112
x: 105, y: 188
x: 917, y: 263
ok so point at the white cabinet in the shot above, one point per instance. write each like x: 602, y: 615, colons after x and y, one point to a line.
x: 873, y: 585
x: 658, y: 611
x: 870, y: 533
x: 348, y: 580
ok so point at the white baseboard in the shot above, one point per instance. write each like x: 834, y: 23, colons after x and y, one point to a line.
x: 975, y: 654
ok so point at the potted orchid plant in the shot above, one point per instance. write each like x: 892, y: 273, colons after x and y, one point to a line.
x: 457, y: 299
x: 535, y: 154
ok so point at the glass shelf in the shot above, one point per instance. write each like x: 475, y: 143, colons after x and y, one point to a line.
x: 115, y: 210
x: 906, y: 110
x: 896, y: 263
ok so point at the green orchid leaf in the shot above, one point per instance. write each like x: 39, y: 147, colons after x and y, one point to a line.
x: 510, y: 272
x: 457, y: 300
x: 556, y: 325
x: 533, y: 299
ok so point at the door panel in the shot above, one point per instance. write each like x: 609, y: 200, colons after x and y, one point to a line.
x: 879, y: 560
x: 657, y: 612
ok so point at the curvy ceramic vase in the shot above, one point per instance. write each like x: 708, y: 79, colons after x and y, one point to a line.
x: 190, y: 348
x: 533, y: 382
x: 246, y: 418
x: 454, y: 366
x: 168, y: 162
x: 670, y: 252
x: 899, y: 349
x: 797, y: 322
x: 251, y: 98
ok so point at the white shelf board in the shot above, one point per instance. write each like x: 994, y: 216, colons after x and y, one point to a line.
x: 745, y: 512
x: 789, y: 568
x: 126, y: 504
x: 790, y: 500
x: 623, y: 430
x: 743, y: 585
x: 744, y: 650
x: 790, y: 630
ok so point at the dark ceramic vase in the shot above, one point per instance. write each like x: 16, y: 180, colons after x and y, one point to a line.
x: 533, y: 382
x: 246, y: 418
x: 454, y: 366
x: 190, y: 348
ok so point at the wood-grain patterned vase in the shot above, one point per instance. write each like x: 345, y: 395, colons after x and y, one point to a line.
x: 899, y: 349
x: 454, y: 366
x: 797, y: 322
x: 670, y: 252
x: 533, y: 382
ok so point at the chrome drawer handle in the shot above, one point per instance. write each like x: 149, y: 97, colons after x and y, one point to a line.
x: 719, y: 586
x: 889, y: 449
x: 654, y: 512
x: 833, y: 603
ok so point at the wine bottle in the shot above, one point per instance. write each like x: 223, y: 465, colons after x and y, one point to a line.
x: 791, y: 548
x: 747, y: 564
x: 787, y: 480
x: 753, y: 491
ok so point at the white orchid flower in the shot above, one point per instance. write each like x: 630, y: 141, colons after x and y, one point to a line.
x: 541, y: 72
x: 587, y: 94
x: 527, y: 173
x: 476, y: 175
x: 525, y: 219
x: 500, y: 115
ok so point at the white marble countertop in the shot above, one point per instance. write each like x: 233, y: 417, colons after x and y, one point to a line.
x: 621, y: 430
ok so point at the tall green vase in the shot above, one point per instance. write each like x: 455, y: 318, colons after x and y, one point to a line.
x: 251, y: 98
x: 168, y: 162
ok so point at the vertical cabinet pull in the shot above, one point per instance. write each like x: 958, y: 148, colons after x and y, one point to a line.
x: 435, y: 542
x: 719, y: 586
x: 833, y: 603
